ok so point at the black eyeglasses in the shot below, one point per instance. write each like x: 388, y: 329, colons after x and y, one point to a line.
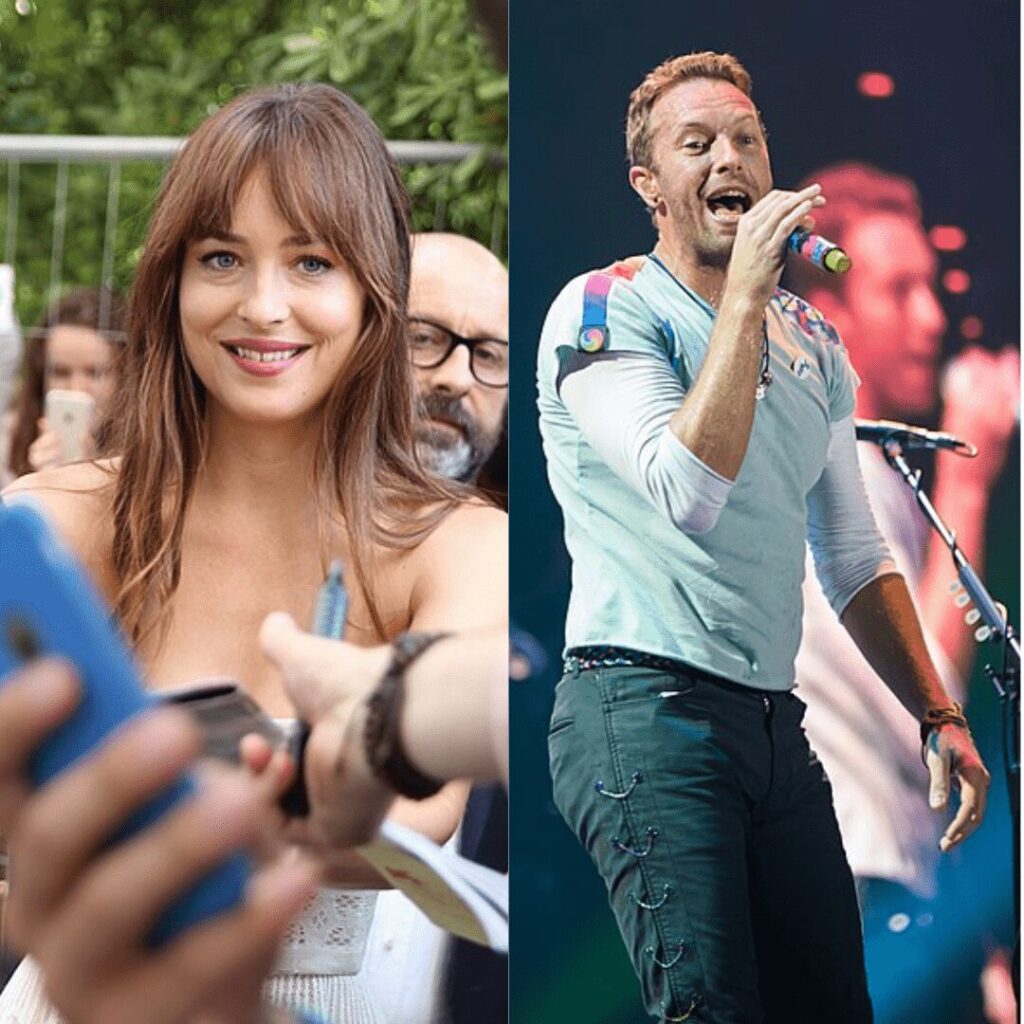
x: 431, y: 344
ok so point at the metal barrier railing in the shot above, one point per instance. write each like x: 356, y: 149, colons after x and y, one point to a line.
x: 116, y: 151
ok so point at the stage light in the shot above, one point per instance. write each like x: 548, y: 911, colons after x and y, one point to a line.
x: 876, y: 85
x: 947, y: 237
x: 972, y: 328
x: 956, y: 281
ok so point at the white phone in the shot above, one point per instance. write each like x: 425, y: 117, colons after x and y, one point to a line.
x: 70, y: 416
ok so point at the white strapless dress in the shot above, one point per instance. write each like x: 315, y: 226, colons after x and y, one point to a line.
x: 317, y: 970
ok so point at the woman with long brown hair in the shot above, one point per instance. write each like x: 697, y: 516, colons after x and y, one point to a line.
x: 74, y: 350
x: 263, y: 428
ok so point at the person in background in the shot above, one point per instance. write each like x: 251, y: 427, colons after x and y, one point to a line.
x: 458, y: 340
x: 888, y: 313
x: 71, y: 351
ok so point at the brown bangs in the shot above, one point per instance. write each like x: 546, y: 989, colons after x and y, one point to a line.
x: 321, y: 156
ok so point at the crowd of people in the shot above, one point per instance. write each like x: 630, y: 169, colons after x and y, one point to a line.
x: 261, y: 421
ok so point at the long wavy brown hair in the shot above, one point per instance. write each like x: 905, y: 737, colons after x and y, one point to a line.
x: 81, y: 307
x: 333, y: 179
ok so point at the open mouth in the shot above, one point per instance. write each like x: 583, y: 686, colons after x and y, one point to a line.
x: 728, y: 205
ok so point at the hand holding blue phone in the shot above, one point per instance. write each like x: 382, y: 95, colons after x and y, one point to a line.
x: 48, y: 608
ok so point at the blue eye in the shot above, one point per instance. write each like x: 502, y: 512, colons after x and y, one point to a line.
x: 314, y: 264
x: 220, y: 260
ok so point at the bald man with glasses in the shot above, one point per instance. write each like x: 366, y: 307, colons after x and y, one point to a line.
x: 458, y: 341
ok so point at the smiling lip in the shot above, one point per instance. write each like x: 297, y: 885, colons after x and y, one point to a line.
x: 264, y: 357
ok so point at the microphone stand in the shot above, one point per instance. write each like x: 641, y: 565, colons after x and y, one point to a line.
x: 1005, y: 679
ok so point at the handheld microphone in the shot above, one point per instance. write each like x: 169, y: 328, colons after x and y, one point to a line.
x: 819, y: 251
x: 880, y: 431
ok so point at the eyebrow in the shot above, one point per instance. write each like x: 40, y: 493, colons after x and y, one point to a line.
x: 229, y: 236
x: 689, y: 126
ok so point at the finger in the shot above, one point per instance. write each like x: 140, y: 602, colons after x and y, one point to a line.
x: 240, y: 948
x: 97, y: 923
x: 227, y: 958
x: 937, y: 760
x: 33, y: 702
x: 255, y: 752
x: 778, y: 203
x: 788, y: 224
x: 309, y: 665
x: 969, y: 815
x: 63, y: 824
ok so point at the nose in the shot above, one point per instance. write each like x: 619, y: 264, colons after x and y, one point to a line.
x: 264, y: 299
x: 725, y: 153
x: 453, y: 376
x: 928, y: 315
x: 80, y: 380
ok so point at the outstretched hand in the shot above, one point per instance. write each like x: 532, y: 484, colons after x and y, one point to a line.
x: 328, y: 682
x: 950, y: 755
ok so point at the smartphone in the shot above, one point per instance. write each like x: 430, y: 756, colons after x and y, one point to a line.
x: 69, y: 414
x: 48, y: 607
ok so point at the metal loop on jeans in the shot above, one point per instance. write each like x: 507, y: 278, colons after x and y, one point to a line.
x: 666, y: 891
x: 665, y: 965
x: 652, y: 834
x: 694, y: 1003
x: 635, y: 780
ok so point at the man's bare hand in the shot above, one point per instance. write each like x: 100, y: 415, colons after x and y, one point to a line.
x: 950, y: 754
x: 759, y: 252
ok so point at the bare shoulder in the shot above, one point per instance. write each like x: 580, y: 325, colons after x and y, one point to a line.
x: 461, y: 570
x: 471, y: 523
x: 76, y: 499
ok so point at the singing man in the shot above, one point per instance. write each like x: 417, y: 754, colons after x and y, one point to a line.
x: 698, y: 425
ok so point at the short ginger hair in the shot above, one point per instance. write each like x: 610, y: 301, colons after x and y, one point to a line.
x: 707, y: 64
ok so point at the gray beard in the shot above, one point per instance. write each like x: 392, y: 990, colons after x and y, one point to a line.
x: 455, y: 461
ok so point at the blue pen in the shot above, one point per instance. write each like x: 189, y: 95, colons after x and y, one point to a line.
x: 331, y: 605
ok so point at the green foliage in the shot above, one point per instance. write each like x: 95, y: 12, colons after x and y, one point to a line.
x: 139, y: 67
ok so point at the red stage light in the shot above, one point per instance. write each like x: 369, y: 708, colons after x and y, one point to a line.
x: 876, y: 85
x: 972, y: 328
x: 956, y: 281
x: 948, y: 237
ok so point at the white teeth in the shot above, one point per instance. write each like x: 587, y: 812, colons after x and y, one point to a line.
x: 265, y: 357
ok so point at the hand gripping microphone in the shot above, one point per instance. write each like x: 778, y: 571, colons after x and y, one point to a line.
x: 880, y: 431
x: 819, y: 251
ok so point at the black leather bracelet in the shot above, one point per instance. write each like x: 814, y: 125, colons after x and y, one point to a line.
x: 382, y: 730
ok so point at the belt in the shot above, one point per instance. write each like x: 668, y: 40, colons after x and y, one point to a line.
x: 602, y: 656
x: 605, y: 656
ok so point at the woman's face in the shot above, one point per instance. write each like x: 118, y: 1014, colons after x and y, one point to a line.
x: 269, y: 317
x: 78, y: 359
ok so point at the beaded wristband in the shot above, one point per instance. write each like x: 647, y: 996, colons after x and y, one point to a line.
x: 381, y: 732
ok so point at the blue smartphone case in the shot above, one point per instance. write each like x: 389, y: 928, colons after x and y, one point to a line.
x: 48, y: 607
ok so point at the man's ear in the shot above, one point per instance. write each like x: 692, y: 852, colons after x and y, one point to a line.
x: 645, y: 185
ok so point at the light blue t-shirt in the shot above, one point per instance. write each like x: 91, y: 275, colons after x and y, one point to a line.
x: 729, y: 600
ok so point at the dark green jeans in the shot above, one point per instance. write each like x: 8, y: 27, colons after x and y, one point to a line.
x: 711, y: 823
